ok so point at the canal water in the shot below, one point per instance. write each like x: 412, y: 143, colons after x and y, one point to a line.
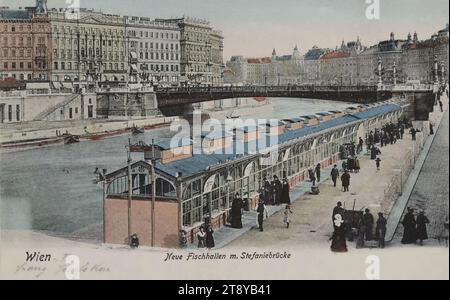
x: 50, y: 189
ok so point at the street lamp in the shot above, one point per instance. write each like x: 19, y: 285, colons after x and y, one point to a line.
x: 229, y: 180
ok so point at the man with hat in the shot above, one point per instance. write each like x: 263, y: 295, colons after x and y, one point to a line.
x: 380, y: 230
x: 422, y: 222
x: 368, y: 221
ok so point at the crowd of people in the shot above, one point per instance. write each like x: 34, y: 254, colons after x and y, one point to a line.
x: 414, y: 228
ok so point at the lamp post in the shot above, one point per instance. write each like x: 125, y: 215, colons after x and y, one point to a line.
x: 229, y: 180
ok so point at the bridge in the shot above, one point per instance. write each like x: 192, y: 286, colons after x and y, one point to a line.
x: 419, y: 99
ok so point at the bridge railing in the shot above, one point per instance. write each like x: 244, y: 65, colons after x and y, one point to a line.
x: 264, y: 89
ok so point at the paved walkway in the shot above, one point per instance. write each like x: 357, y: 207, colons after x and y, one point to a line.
x: 312, y: 224
x: 430, y: 188
x: 226, y: 235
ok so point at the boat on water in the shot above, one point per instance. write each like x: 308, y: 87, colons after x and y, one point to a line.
x: 137, y: 130
x: 71, y: 139
x: 230, y: 116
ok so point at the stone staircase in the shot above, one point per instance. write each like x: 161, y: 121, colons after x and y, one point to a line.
x: 43, y: 115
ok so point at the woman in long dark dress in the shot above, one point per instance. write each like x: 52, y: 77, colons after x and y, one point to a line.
x: 236, y: 212
x: 209, y: 240
x: 422, y: 222
x: 338, y: 240
x: 409, y: 228
x: 285, y: 198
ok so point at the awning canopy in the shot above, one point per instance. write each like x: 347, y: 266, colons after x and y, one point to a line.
x: 38, y: 85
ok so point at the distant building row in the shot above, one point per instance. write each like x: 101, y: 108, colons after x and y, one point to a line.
x: 351, y: 64
x: 83, y: 45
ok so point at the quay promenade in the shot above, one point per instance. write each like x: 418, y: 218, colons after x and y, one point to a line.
x: 312, y: 213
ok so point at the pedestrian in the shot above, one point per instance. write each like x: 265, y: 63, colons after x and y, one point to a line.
x: 380, y: 230
x: 422, y: 222
x: 338, y: 210
x: 285, y: 189
x: 377, y: 162
x: 409, y: 228
x: 345, y: 179
x: 262, y: 212
x: 338, y: 239
x: 357, y: 166
x: 312, y: 177
x: 276, y: 190
x: 318, y: 166
x: 267, y: 191
x: 360, y: 145
x: 134, y: 241
x: 431, y: 129
x: 334, y: 175
x: 182, y: 238
x: 361, y: 233
x: 441, y: 105
x: 236, y: 212
x: 402, y: 130
x: 287, y: 219
x: 209, y: 237
x: 344, y: 165
x: 413, y: 133
x: 368, y: 221
x: 201, y: 235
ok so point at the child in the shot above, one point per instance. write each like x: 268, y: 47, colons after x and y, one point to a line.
x: 287, y: 212
x: 377, y: 161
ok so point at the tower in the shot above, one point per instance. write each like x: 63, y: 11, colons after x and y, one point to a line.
x: 415, y: 39
x: 274, y: 53
x: 392, y: 36
x: 41, y: 6
x: 296, y: 53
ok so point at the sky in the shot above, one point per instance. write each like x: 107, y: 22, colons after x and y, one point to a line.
x: 252, y: 28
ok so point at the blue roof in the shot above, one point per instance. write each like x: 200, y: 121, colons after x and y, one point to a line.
x: 314, y: 54
x: 200, y: 162
x: 216, y: 135
x: 167, y: 143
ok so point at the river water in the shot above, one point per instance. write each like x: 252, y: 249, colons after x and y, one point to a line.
x: 50, y: 189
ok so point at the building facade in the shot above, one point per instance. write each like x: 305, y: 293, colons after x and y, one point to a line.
x: 88, y: 46
x: 154, y: 50
x: 25, y: 45
x: 201, y: 51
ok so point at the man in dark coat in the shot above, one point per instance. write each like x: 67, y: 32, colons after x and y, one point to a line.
x: 334, y: 174
x: 413, y: 133
x: 380, y: 229
x: 236, y: 212
x: 262, y: 211
x: 285, y: 189
x: 209, y: 239
x: 345, y: 179
x: 422, y: 222
x: 318, y: 172
x: 312, y: 177
x: 409, y: 228
x: 267, y: 191
x: 276, y: 190
x: 368, y: 221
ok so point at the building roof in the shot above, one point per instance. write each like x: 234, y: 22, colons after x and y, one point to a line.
x: 336, y: 54
x: 314, y: 54
x: 9, y: 14
x: 200, y: 162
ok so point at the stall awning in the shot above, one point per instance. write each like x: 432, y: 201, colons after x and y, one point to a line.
x: 38, y: 85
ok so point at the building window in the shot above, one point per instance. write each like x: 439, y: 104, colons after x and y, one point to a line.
x: 18, y: 112
x: 76, y: 110
x: 10, y: 113
x: 70, y: 113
